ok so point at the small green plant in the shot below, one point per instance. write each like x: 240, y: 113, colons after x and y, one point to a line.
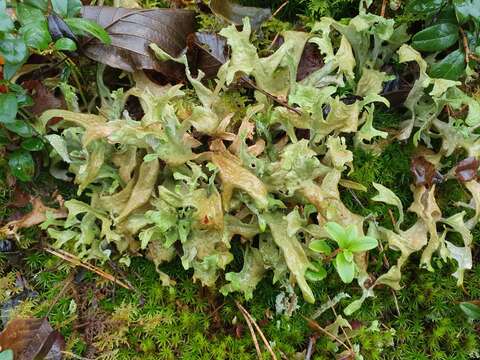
x: 46, y: 28
x: 453, y: 32
x: 349, y: 242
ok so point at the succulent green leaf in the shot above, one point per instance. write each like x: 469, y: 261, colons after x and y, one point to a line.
x: 364, y: 243
x: 345, y: 268
x: 320, y: 246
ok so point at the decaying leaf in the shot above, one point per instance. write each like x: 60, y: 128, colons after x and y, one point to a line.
x: 467, y: 169
x: 32, y: 339
x: 44, y: 99
x: 35, y: 217
x: 424, y: 172
x: 133, y: 30
x: 235, y: 13
x: 209, y: 51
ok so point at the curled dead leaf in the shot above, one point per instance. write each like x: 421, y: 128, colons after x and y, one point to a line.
x: 35, y: 217
x: 467, y: 169
x: 133, y: 30
x: 424, y: 172
x: 31, y: 339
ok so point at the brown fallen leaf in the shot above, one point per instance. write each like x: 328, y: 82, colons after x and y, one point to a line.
x: 467, y: 169
x: 133, y: 30
x: 234, y: 13
x: 35, y: 217
x: 31, y: 339
x: 208, y: 51
x: 424, y: 172
x: 43, y: 98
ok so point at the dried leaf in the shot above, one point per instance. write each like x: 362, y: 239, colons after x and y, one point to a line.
x: 32, y: 339
x: 424, y: 172
x: 209, y: 51
x: 35, y: 217
x: 132, y: 31
x: 44, y: 99
x: 467, y: 169
x: 234, y: 13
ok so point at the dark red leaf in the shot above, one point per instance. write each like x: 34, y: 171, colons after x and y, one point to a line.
x: 43, y: 98
x: 424, y: 172
x: 467, y: 169
x: 208, y: 51
x: 132, y: 31
x: 32, y: 339
x: 310, y: 61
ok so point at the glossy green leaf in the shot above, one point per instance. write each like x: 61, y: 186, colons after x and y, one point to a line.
x: 451, y: 67
x: 471, y: 310
x: 6, y: 355
x: 13, y: 49
x: 424, y: 7
x: 8, y: 108
x: 447, y: 15
x: 39, y: 4
x: 346, y: 269
x: 320, y: 246
x: 36, y: 35
x: 6, y: 23
x: 436, y: 38
x: 467, y: 10
x: 84, y: 26
x: 32, y: 144
x: 67, y: 8
x: 363, y: 244
x: 20, y: 128
x: 28, y: 14
x: 21, y: 165
x: 65, y: 44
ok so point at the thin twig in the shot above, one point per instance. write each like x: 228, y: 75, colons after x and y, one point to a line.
x: 326, y: 332
x: 279, y: 9
x: 252, y: 333
x: 384, y: 8
x: 77, y: 262
x: 465, y: 45
x: 341, y: 327
x: 274, y: 98
x: 311, y: 343
x: 262, y: 336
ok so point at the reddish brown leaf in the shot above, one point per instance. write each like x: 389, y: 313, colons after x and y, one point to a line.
x: 208, y: 51
x: 132, y: 31
x: 32, y: 339
x: 20, y: 198
x: 43, y: 98
x: 35, y: 217
x: 310, y: 61
x: 424, y: 172
x: 467, y: 169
